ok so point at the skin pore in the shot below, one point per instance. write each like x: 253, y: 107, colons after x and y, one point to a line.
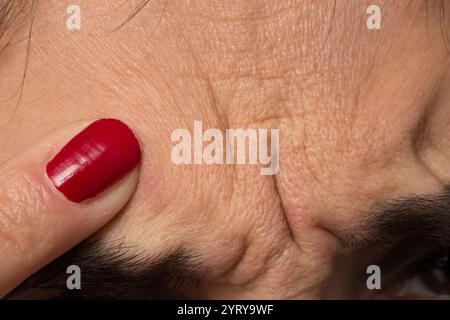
x: 363, y: 117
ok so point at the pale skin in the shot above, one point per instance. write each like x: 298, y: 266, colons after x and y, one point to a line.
x: 348, y: 103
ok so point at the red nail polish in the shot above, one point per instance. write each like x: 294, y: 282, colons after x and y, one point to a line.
x: 95, y: 159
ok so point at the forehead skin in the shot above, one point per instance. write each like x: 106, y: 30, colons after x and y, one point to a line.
x: 363, y: 117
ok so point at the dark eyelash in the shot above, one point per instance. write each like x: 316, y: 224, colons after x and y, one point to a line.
x: 416, y: 266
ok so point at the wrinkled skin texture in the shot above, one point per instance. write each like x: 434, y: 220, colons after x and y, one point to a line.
x: 363, y: 117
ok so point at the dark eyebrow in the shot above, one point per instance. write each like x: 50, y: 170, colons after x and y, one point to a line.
x: 112, y: 272
x: 402, y: 230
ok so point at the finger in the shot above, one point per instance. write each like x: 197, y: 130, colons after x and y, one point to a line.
x: 60, y: 190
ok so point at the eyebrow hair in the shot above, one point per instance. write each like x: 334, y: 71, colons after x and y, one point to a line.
x: 113, y: 272
x: 8, y: 12
x: 404, y: 230
x: 139, y: 7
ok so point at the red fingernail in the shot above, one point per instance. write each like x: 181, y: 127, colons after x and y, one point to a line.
x: 99, y: 156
